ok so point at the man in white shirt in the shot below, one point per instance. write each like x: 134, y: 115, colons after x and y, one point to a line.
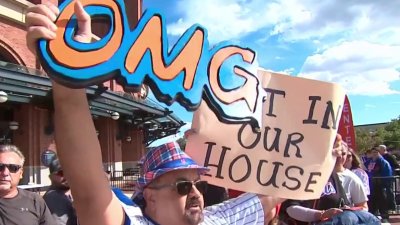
x: 170, y: 177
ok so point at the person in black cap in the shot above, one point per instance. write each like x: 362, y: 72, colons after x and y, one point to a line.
x: 58, y: 198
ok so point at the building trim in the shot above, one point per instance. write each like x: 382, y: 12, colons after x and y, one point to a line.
x: 14, y: 10
x: 25, y: 85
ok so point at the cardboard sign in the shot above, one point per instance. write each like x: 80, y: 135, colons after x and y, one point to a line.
x: 346, y: 128
x: 291, y: 155
x: 223, y: 75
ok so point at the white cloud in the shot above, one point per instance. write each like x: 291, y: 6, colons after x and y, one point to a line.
x: 286, y: 71
x: 371, y: 20
x: 224, y: 19
x: 358, y: 42
x: 362, y: 68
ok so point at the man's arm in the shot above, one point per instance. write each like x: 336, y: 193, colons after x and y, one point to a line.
x: 358, y: 192
x: 77, y: 144
x: 269, y: 203
x: 245, y: 209
x: 364, y: 205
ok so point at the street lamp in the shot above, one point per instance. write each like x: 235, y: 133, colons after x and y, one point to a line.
x: 13, y: 125
x: 115, y: 115
x: 3, y: 96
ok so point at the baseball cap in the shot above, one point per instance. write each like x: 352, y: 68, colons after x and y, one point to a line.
x: 55, y: 165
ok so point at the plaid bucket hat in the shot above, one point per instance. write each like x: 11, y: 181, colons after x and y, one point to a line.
x: 162, y: 159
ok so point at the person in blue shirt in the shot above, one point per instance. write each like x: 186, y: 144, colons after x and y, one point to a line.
x: 380, y: 173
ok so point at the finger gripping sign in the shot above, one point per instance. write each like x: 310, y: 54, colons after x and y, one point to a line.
x: 224, y: 76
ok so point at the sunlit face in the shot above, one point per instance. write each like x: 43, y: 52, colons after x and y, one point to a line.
x: 8, y: 179
x: 341, y: 159
x: 349, y: 160
x: 166, y: 206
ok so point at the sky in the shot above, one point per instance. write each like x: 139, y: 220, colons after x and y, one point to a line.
x: 353, y: 43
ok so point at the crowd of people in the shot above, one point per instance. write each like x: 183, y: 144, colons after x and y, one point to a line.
x: 380, y: 167
x: 169, y: 189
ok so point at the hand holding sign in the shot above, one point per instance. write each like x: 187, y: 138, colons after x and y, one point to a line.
x: 223, y: 75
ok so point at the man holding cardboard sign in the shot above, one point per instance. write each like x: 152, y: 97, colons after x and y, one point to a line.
x: 172, y: 189
x: 77, y: 142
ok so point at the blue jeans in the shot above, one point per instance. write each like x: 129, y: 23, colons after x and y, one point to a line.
x: 348, y: 217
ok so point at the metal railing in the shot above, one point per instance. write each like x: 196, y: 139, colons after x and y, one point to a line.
x: 124, y: 180
x: 391, y: 182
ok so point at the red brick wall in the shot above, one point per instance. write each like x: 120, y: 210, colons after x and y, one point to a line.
x: 12, y: 39
x: 134, y: 150
x: 30, y: 136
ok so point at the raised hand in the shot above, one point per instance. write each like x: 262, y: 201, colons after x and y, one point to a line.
x: 338, y: 146
x: 40, y: 21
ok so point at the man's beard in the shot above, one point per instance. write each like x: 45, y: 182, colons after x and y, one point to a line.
x: 63, y: 186
x: 193, y: 218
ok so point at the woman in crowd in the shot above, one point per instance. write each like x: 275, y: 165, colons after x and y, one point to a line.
x: 343, y: 201
x: 353, y: 163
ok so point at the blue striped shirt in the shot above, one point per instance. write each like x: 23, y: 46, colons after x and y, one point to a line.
x: 243, y: 210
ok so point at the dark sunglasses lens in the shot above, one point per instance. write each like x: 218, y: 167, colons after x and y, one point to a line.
x: 184, y: 187
x: 13, y: 168
x: 202, y: 186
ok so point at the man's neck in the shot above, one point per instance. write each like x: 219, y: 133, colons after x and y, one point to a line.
x: 9, y: 194
x: 149, y: 216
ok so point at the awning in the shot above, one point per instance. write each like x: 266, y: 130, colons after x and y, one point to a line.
x: 26, y: 85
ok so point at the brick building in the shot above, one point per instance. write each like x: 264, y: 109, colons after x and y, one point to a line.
x: 126, y: 122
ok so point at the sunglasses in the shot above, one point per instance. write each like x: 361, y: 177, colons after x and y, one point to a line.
x: 184, y: 187
x: 13, y: 168
x: 59, y: 173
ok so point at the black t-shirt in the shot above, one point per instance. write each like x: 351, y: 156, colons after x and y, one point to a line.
x: 27, y: 208
x: 214, y: 195
x: 60, y: 205
x: 391, y: 160
x: 330, y: 198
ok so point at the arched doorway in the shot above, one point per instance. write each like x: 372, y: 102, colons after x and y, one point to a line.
x: 7, y: 54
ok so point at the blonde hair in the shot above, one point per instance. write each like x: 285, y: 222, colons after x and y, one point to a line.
x: 12, y: 148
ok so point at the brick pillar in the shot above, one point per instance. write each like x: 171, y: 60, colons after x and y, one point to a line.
x: 32, y: 139
x: 110, y: 146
